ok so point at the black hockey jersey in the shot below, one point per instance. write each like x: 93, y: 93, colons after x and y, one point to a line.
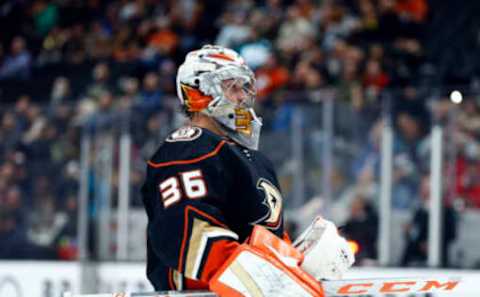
x: 203, y: 194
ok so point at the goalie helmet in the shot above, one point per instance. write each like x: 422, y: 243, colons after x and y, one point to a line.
x: 205, y: 82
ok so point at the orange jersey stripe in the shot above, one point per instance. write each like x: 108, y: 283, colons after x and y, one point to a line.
x: 189, y: 208
x: 220, y: 251
x: 198, y: 159
x: 170, y: 279
x: 191, y: 284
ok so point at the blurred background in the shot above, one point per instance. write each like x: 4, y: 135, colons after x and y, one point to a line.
x: 371, y: 113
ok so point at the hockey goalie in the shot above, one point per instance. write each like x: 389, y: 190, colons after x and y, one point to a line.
x: 214, y: 203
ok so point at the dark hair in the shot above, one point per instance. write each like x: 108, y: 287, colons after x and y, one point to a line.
x: 186, y: 112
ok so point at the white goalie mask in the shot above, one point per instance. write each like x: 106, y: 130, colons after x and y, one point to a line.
x: 216, y: 82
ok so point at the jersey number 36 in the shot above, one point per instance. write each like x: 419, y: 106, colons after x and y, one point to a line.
x: 189, y: 184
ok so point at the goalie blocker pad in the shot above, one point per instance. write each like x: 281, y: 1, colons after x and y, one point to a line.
x: 267, y: 266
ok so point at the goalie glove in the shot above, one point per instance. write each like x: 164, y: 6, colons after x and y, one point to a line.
x: 327, y: 255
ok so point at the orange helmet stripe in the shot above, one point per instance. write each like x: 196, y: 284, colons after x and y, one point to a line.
x: 221, y: 56
x: 194, y: 99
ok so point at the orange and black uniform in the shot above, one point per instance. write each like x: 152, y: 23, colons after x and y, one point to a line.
x: 202, y: 195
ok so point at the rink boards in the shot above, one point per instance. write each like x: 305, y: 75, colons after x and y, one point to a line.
x: 47, y: 279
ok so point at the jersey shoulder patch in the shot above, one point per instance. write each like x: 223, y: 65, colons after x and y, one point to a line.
x: 187, y: 145
x: 187, y: 133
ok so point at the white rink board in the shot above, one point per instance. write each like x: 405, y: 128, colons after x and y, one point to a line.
x: 122, y: 277
x: 49, y: 279
x: 34, y: 278
x: 468, y: 287
x: 152, y: 294
x: 119, y: 276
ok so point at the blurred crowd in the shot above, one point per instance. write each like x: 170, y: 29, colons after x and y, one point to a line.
x: 102, y: 65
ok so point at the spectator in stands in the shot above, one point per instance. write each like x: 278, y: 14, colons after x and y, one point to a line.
x: 13, y: 203
x: 12, y: 235
x: 307, y: 76
x: 349, y: 79
x: 130, y: 11
x: 296, y: 33
x: 105, y: 112
x: 66, y: 240
x: 164, y: 40
x: 9, y: 132
x: 98, y: 43
x: 367, y: 161
x: 336, y: 59
x: 408, y: 55
x: 235, y: 29
x: 129, y: 93
x: 151, y: 95
x: 374, y: 77
x: 52, y: 47
x: 167, y: 72
x: 405, y: 182
x: 469, y: 117
x: 255, y: 50
x: 338, y: 24
x: 468, y: 173
x: 467, y: 164
x: 414, y: 10
x: 22, y: 107
x: 17, y: 64
x: 416, y: 232
x: 409, y: 136
x: 74, y: 47
x: 410, y: 102
x: 368, y: 22
x: 45, y: 16
x: 362, y: 228
x: 13, y: 223
x: 100, y: 84
x: 36, y: 122
x: 126, y: 48
x: 39, y: 143
x: 61, y: 91
x: 45, y: 225
x: 273, y: 13
x: 270, y: 77
x: 388, y: 23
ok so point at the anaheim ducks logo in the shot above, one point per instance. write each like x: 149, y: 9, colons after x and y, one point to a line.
x: 273, y: 199
x: 185, y: 134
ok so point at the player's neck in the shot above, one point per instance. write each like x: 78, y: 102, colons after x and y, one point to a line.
x: 206, y: 122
